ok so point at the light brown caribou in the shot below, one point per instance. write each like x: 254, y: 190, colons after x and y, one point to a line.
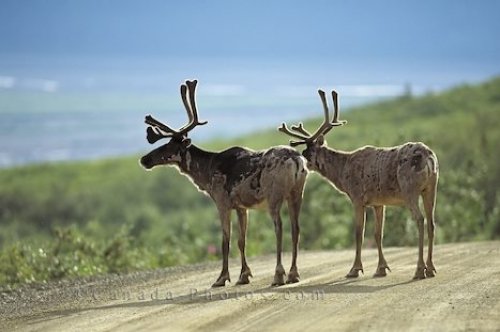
x: 236, y: 179
x: 375, y: 177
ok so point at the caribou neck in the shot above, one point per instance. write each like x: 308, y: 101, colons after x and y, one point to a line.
x: 333, y: 166
x: 196, y: 164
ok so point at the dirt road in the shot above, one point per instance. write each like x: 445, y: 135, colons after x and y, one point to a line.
x: 465, y: 295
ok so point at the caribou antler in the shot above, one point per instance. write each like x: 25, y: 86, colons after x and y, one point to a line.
x: 158, y: 130
x: 192, y: 111
x: 299, y: 132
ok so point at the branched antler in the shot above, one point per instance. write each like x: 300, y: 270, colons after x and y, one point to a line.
x: 299, y: 132
x: 300, y: 128
x: 300, y: 136
x: 158, y: 130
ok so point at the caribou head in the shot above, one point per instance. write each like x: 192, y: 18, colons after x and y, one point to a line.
x: 314, y: 142
x: 172, y: 152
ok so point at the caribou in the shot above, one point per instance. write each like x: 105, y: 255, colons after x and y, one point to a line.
x: 235, y: 179
x: 375, y: 177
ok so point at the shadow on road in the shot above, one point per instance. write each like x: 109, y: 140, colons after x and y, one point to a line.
x: 290, y: 292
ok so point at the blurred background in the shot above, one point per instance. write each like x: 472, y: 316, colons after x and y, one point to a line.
x: 77, y: 78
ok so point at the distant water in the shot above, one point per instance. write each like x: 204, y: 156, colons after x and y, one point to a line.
x: 54, y: 109
x: 36, y: 137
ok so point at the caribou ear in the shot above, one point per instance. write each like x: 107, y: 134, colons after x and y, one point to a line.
x: 152, y: 136
x: 186, y: 142
x: 320, y: 140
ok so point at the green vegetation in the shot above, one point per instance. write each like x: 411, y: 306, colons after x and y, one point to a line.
x: 83, y: 218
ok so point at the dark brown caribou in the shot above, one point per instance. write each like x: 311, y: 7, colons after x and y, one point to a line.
x: 236, y: 179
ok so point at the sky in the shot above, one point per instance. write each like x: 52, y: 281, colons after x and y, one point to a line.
x: 405, y: 31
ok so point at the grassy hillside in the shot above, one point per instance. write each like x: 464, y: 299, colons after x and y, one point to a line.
x: 83, y: 218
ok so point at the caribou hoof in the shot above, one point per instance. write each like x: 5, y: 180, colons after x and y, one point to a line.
x: 430, y: 272
x: 244, y: 278
x: 381, y: 271
x: 293, y: 277
x: 420, y: 273
x: 354, y: 273
x: 279, y: 279
x: 221, y: 281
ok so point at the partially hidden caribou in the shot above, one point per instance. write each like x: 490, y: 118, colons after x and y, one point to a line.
x: 236, y: 179
x: 375, y: 177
